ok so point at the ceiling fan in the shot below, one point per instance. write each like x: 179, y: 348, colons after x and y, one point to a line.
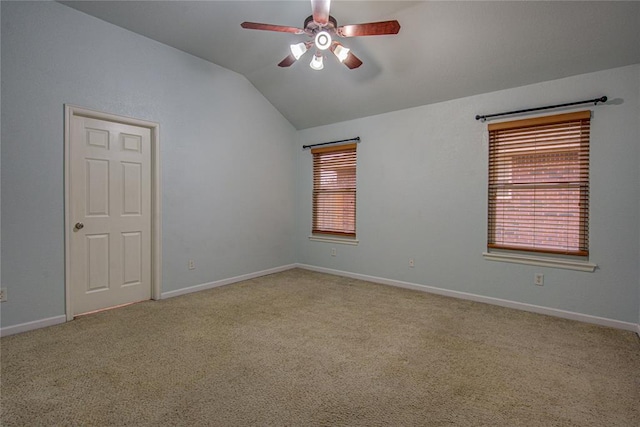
x: 323, y: 27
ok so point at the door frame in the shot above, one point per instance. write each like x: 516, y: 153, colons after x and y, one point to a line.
x: 156, y: 192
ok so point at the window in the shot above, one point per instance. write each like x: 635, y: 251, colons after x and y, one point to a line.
x: 539, y: 184
x: 334, y: 190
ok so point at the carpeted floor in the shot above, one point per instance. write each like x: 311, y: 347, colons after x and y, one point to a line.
x: 301, y: 348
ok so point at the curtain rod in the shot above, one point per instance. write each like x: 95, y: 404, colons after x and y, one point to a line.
x: 357, y: 139
x: 588, y: 101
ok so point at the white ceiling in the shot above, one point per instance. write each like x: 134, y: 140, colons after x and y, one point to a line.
x: 445, y: 50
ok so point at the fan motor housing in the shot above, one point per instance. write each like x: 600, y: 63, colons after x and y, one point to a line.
x: 311, y: 26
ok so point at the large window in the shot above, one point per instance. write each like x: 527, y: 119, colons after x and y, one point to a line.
x: 539, y: 184
x: 334, y: 190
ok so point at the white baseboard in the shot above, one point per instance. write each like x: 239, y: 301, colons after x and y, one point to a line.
x: 223, y: 282
x: 37, y: 324
x: 29, y: 326
x: 603, y: 321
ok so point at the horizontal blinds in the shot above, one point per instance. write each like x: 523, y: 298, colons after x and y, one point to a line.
x: 334, y: 190
x: 539, y: 184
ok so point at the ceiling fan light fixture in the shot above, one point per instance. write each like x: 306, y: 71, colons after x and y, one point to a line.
x: 316, y: 62
x: 323, y: 40
x: 341, y: 52
x: 297, y: 50
x: 321, y: 27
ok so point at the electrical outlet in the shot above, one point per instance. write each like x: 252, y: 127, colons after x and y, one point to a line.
x: 3, y: 294
x: 411, y: 263
x: 333, y: 251
x: 538, y: 279
x: 192, y: 264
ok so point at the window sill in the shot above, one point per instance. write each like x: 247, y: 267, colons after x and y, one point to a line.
x: 338, y: 240
x: 541, y: 261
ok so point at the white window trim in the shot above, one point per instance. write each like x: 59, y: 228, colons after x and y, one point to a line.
x: 338, y: 240
x: 541, y: 261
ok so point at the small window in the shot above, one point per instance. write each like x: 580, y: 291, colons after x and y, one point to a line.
x: 334, y: 190
x: 539, y: 184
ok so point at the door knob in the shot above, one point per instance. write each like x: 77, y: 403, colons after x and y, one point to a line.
x: 78, y: 226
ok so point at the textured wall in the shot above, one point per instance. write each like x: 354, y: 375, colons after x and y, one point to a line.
x: 422, y: 190
x: 227, y: 155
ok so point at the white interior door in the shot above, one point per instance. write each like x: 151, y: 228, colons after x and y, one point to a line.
x: 110, y: 214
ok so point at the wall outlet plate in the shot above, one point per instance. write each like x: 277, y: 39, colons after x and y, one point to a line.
x: 192, y: 264
x: 3, y: 294
x: 538, y: 279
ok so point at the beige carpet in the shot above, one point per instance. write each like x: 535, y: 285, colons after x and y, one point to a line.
x: 300, y: 348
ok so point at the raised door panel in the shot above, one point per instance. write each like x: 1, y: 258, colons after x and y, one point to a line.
x: 97, y: 262
x: 132, y: 258
x: 131, y: 142
x: 97, y: 138
x: 131, y: 188
x: 97, y: 187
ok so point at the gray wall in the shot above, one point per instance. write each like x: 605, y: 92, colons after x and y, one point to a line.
x: 422, y: 188
x: 227, y: 154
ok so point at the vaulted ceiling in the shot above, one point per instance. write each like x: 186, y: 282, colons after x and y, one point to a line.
x: 445, y: 50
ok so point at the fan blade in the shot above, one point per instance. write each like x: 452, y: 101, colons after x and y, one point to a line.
x: 288, y: 61
x: 370, y: 29
x: 320, y: 10
x: 352, y: 61
x: 271, y: 27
